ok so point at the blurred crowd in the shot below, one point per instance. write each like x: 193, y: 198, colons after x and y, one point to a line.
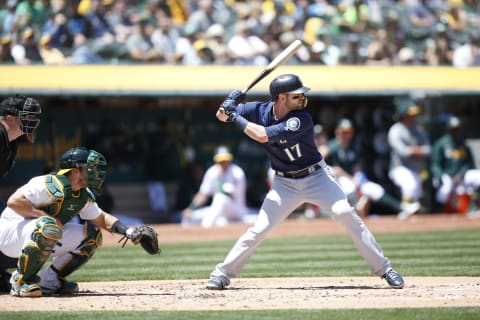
x: 230, y: 32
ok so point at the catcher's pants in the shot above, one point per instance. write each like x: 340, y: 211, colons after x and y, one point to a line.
x: 15, y: 233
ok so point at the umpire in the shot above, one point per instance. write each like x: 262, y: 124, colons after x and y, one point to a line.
x: 19, y: 116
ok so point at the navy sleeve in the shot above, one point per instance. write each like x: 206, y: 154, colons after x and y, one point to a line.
x: 292, y: 127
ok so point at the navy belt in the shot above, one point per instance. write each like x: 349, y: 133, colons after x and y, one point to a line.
x: 302, y: 173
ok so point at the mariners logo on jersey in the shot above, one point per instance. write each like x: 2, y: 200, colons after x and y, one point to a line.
x: 293, y: 124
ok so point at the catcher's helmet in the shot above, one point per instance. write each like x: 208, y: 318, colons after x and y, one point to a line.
x: 286, y: 83
x: 82, y: 157
x: 97, y: 169
x: 27, y: 109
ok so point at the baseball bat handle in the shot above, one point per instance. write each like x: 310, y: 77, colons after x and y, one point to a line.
x: 262, y: 75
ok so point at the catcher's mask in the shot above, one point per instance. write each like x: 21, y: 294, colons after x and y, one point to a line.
x: 27, y: 109
x: 97, y: 169
x: 82, y: 157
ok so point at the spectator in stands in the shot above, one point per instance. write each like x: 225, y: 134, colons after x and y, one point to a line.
x: 8, y: 20
x: 380, y: 50
x: 215, y: 38
x: 26, y: 52
x: 140, y: 46
x: 56, y: 28
x: 83, y: 53
x: 472, y: 9
x: 50, y: 55
x: 225, y: 183
x: 120, y: 20
x: 247, y: 49
x: 409, y: 151
x: 209, y: 12
x: 31, y: 13
x: 185, y: 52
x: 455, y: 21
x: 438, y: 49
x: 468, y: 55
x: 422, y: 17
x: 453, y: 169
x: 354, y: 18
x: 5, y: 50
x: 346, y: 161
x: 277, y: 18
x: 323, y: 50
x: 165, y: 37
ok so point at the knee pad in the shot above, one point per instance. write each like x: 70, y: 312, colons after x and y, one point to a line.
x: 31, y: 261
x: 93, y: 239
x: 46, y: 231
x: 35, y: 252
x: 75, y: 259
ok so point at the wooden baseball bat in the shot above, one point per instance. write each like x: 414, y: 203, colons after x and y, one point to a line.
x: 286, y: 54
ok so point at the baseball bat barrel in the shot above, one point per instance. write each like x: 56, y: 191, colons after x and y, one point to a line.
x: 286, y: 54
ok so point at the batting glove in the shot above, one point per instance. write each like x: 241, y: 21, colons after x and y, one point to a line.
x: 237, y: 96
x: 229, y: 106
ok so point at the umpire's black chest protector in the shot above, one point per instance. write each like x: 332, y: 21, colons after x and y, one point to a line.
x: 8, y: 151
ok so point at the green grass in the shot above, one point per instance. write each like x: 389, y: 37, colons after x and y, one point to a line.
x: 444, y: 253
x: 344, y: 314
x: 450, y: 253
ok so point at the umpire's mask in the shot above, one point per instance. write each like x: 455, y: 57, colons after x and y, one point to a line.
x: 29, y: 118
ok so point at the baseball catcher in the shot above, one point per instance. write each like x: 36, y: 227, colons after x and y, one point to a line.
x: 36, y: 225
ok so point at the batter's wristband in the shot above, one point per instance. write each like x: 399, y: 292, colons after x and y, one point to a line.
x: 240, y: 122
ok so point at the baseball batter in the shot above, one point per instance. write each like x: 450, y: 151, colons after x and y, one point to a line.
x: 285, y: 129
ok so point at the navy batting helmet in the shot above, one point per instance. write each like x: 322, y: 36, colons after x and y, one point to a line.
x: 286, y: 83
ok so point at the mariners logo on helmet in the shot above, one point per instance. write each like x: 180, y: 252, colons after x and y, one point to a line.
x: 286, y: 83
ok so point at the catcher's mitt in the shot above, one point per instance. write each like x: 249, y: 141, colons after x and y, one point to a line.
x: 146, y: 236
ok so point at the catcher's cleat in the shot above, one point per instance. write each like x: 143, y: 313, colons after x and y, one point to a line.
x: 394, y: 279
x: 217, y: 283
x: 23, y: 289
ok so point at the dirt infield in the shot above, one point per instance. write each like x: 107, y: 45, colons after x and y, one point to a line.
x: 274, y: 293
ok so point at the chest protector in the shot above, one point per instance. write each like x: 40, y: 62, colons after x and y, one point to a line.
x: 67, y: 203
